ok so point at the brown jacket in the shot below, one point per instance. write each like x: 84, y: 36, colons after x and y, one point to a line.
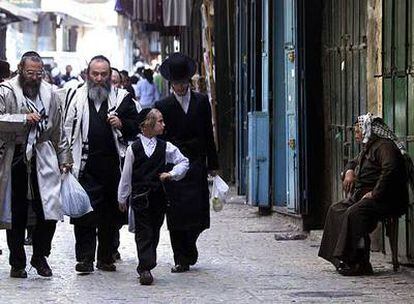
x: 380, y: 167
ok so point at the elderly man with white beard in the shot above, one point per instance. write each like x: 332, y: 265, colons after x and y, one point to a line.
x: 99, y: 120
x: 32, y: 149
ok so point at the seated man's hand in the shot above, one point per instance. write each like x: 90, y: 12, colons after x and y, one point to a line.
x: 349, y: 180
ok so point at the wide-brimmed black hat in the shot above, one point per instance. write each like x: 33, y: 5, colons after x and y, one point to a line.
x: 178, y: 67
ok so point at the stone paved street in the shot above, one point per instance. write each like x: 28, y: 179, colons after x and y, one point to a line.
x: 240, y: 262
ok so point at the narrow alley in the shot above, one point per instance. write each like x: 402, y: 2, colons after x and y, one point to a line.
x: 240, y: 262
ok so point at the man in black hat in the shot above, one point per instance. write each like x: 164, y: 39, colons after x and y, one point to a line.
x: 187, y: 117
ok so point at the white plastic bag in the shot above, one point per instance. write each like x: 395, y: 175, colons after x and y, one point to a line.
x: 75, y: 200
x: 218, y: 193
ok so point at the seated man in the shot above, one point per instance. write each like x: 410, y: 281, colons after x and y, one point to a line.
x: 376, y: 187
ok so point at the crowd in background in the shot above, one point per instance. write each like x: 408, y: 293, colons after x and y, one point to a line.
x: 145, y: 84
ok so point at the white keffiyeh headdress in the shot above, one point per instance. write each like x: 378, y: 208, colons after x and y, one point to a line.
x: 371, y: 124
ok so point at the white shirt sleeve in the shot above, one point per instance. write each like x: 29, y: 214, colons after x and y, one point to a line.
x: 124, y: 188
x: 174, y: 156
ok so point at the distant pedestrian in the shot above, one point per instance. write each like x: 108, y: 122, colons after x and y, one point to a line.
x: 147, y: 92
x: 4, y: 70
x: 68, y: 74
x: 126, y: 83
x: 142, y: 177
x: 116, y: 79
x: 158, y: 80
x: 187, y: 116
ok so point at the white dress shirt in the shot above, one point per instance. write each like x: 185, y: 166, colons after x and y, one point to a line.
x: 97, y: 104
x: 184, y: 101
x: 172, y: 155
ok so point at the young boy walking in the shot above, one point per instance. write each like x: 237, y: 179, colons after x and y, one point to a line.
x: 143, y: 173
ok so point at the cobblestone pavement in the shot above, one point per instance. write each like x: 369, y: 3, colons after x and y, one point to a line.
x: 240, y: 262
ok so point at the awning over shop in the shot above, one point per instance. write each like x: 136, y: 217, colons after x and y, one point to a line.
x: 75, y: 13
x: 162, y: 13
x: 12, y: 13
x: 177, y: 12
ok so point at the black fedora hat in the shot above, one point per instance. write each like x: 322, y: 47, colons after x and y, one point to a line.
x: 178, y: 67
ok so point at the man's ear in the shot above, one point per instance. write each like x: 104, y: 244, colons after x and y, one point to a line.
x: 20, y: 68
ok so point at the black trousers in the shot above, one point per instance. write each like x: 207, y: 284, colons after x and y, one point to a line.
x: 184, y: 246
x: 43, y: 231
x: 86, y: 237
x: 148, y: 222
x: 116, y: 241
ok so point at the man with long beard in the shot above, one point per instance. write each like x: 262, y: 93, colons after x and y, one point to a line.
x: 32, y: 148
x: 100, y: 120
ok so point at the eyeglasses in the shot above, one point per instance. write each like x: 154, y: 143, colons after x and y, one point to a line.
x: 31, y: 73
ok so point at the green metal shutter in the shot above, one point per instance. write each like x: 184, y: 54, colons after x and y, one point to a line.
x: 345, y: 85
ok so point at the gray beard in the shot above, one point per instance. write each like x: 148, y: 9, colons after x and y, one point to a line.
x: 30, y: 88
x: 98, y: 93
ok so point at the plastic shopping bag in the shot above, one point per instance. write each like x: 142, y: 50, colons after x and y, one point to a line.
x: 218, y: 193
x: 75, y: 200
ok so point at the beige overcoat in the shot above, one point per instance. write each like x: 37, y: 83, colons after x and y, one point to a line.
x: 52, y: 148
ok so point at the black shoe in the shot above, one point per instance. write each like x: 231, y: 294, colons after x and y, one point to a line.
x: 145, y: 277
x: 41, y: 266
x: 18, y: 273
x: 28, y: 241
x: 340, y: 265
x: 116, y: 256
x: 105, y: 266
x: 180, y: 268
x: 84, y: 267
x: 358, y: 269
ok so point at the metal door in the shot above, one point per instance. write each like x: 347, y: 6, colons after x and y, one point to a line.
x: 242, y: 85
x: 345, y: 84
x: 265, y: 55
x: 279, y: 146
x: 291, y: 105
x: 398, y: 91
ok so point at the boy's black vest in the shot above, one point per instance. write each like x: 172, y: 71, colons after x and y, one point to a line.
x: 146, y: 170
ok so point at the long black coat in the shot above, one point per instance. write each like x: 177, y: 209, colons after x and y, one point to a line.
x: 379, y: 168
x: 192, y: 133
x: 101, y: 175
